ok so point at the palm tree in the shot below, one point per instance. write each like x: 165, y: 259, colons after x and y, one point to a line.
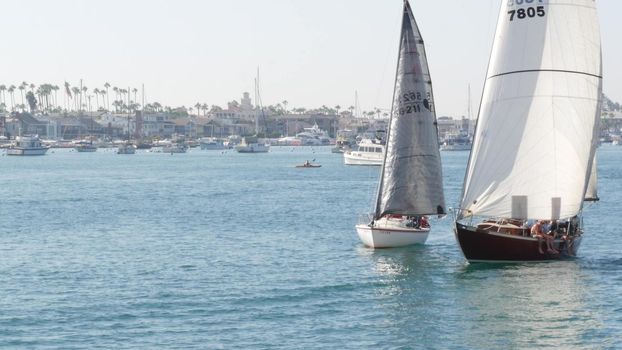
x: 55, y: 88
x: 2, y: 90
x: 285, y: 103
x: 116, y: 97
x: 198, y: 107
x: 104, y: 96
x: 135, y: 90
x: 67, y: 94
x: 83, y: 92
x: 11, y: 91
x: 96, y: 92
x: 32, y: 87
x: 107, y: 85
x: 76, y: 92
x: 337, y: 108
x: 21, y: 90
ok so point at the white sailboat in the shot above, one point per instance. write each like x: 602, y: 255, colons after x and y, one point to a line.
x: 253, y: 144
x: 411, y: 184
x: 127, y: 147
x: 536, y: 134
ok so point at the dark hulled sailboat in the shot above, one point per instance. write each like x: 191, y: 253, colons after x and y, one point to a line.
x: 535, y: 140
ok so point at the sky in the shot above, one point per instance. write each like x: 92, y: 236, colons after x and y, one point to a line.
x: 309, y: 53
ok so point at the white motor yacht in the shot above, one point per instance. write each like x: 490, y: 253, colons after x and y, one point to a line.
x: 252, y: 145
x: 367, y: 153
x: 212, y: 143
x: 313, y: 136
x: 27, y: 145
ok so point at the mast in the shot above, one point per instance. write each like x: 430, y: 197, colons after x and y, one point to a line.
x: 129, y: 135
x: 80, y: 108
x: 356, y: 104
x: 469, y: 130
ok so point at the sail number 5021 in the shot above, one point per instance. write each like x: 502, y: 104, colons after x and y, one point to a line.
x: 530, y: 12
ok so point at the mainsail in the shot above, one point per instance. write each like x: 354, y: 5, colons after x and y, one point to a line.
x: 534, y: 144
x: 411, y: 182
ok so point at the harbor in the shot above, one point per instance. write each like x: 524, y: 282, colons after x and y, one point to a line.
x: 286, y: 175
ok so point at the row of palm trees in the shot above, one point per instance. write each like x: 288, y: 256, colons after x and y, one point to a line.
x: 76, y: 98
x: 79, y: 98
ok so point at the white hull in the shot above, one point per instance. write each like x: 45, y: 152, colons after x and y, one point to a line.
x: 252, y: 148
x: 355, y: 158
x: 126, y: 150
x: 86, y: 149
x: 376, y: 237
x: 212, y: 146
x: 368, y: 153
x: 26, y: 151
x: 455, y: 147
x: 172, y: 150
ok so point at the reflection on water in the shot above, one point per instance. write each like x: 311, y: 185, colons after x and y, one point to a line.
x: 483, y: 305
x: 539, y: 305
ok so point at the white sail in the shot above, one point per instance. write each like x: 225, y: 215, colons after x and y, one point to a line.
x: 591, y: 195
x: 533, y: 146
x: 411, y: 182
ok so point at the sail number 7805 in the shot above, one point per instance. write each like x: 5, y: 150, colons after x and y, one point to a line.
x: 530, y: 12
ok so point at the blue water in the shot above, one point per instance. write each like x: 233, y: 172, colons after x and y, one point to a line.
x: 225, y: 250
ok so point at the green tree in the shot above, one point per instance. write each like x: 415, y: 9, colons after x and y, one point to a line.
x: 32, y: 101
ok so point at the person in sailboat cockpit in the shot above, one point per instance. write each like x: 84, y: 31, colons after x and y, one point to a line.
x: 538, y: 231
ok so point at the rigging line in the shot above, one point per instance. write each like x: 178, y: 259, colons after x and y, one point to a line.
x: 546, y: 70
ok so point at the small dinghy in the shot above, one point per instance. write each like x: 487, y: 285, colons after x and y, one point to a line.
x: 308, y: 164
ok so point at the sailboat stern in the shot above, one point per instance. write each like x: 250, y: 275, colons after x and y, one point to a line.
x: 378, y: 237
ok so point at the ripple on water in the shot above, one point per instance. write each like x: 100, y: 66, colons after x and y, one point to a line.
x: 221, y: 250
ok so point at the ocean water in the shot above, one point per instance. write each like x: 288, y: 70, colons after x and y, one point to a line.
x: 219, y: 250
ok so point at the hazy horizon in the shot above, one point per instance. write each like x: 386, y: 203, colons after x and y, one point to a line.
x: 309, y: 53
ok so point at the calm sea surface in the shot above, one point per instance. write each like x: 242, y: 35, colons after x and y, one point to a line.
x: 217, y: 250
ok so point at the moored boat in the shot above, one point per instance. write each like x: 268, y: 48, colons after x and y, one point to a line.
x: 126, y: 148
x: 368, y: 152
x: 533, y: 165
x: 460, y: 142
x: 85, y: 146
x: 411, y: 182
x: 27, y: 145
x: 175, y: 148
x: 211, y: 144
x: 252, y: 145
